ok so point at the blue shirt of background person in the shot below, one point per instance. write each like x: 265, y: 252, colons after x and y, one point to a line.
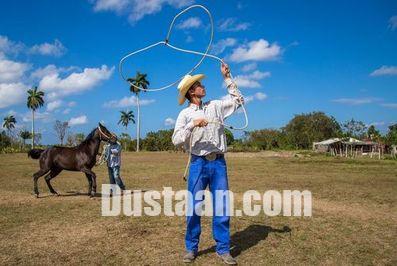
x: 113, y: 160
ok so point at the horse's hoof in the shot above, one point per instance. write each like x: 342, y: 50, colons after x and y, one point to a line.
x: 36, y: 195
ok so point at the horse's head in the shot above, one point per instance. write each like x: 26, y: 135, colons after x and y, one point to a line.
x: 105, y: 134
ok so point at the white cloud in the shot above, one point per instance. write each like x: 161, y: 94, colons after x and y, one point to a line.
x: 51, y: 106
x: 189, y: 39
x: 221, y: 45
x: 355, y: 101
x: 66, y: 111
x: 110, y: 5
x: 80, y: 120
x: 137, y: 9
x: 127, y: 102
x: 56, y: 49
x: 11, y: 71
x: 260, y: 50
x: 381, y: 123
x: 75, y: 82
x: 12, y: 93
x: 393, y: 23
x: 169, y: 121
x: 72, y: 103
x: 249, y: 67
x: 249, y: 98
x: 51, y: 70
x: 260, y: 96
x: 43, y: 116
x: 12, y: 112
x: 231, y: 24
x: 190, y: 23
x: 390, y: 105
x: 251, y: 80
x: 385, y: 71
x: 9, y: 47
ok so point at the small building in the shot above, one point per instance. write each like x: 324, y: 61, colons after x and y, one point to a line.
x: 349, y: 147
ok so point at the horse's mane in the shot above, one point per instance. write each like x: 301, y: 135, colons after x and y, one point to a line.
x: 89, y: 136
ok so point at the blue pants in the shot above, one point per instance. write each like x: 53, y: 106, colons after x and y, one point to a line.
x: 203, y: 173
x: 114, y: 176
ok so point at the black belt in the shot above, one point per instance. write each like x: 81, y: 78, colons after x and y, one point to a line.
x: 210, y: 157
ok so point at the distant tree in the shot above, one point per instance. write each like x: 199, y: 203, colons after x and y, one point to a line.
x: 9, y: 123
x: 229, y: 137
x: 139, y: 81
x: 125, y: 140
x: 35, y: 100
x: 24, y: 135
x: 265, y: 139
x: 355, y: 129
x: 391, y: 136
x: 79, y: 137
x: 373, y: 133
x: 304, y: 129
x: 70, y: 140
x: 158, y: 141
x: 61, y: 129
x: 37, y: 138
x: 125, y: 118
x: 5, y: 140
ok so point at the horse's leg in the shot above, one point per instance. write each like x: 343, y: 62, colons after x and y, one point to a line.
x: 89, y: 184
x: 36, y: 176
x: 93, y: 179
x: 51, y: 175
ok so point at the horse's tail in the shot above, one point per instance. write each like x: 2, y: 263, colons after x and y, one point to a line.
x: 35, y: 153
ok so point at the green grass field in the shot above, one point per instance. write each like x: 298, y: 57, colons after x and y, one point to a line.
x: 354, y: 214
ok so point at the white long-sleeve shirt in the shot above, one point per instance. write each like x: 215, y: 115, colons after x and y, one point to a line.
x: 210, y: 138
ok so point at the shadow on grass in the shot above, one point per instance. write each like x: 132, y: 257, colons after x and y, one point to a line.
x: 78, y: 193
x: 248, y: 238
x: 69, y: 194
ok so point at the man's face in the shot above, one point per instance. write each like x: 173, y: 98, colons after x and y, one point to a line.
x: 197, y: 90
x: 113, y: 139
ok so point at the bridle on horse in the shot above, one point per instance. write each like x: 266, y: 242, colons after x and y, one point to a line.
x: 101, y: 133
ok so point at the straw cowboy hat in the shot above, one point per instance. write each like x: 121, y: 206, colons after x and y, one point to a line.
x: 185, y: 85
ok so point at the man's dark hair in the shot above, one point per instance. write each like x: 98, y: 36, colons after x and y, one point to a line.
x: 187, y: 95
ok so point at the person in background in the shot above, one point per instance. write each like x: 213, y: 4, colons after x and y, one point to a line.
x: 112, y: 156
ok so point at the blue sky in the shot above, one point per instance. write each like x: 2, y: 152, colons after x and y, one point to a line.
x: 288, y: 57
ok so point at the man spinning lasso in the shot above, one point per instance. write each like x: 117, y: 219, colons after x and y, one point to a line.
x: 203, y: 122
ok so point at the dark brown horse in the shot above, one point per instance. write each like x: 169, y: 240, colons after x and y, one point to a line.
x: 81, y: 158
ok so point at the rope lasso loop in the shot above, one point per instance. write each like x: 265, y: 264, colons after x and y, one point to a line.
x: 167, y: 43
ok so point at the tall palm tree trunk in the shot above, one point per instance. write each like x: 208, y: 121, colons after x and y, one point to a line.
x: 32, y: 129
x: 125, y: 142
x: 138, y: 127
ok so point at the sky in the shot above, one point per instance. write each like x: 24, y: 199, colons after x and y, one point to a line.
x: 287, y: 57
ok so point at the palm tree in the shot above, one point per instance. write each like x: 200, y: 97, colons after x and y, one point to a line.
x: 24, y: 134
x: 35, y: 101
x: 125, y: 118
x: 9, y: 123
x: 139, y: 81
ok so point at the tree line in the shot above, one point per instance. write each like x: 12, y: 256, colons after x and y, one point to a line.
x: 299, y: 133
